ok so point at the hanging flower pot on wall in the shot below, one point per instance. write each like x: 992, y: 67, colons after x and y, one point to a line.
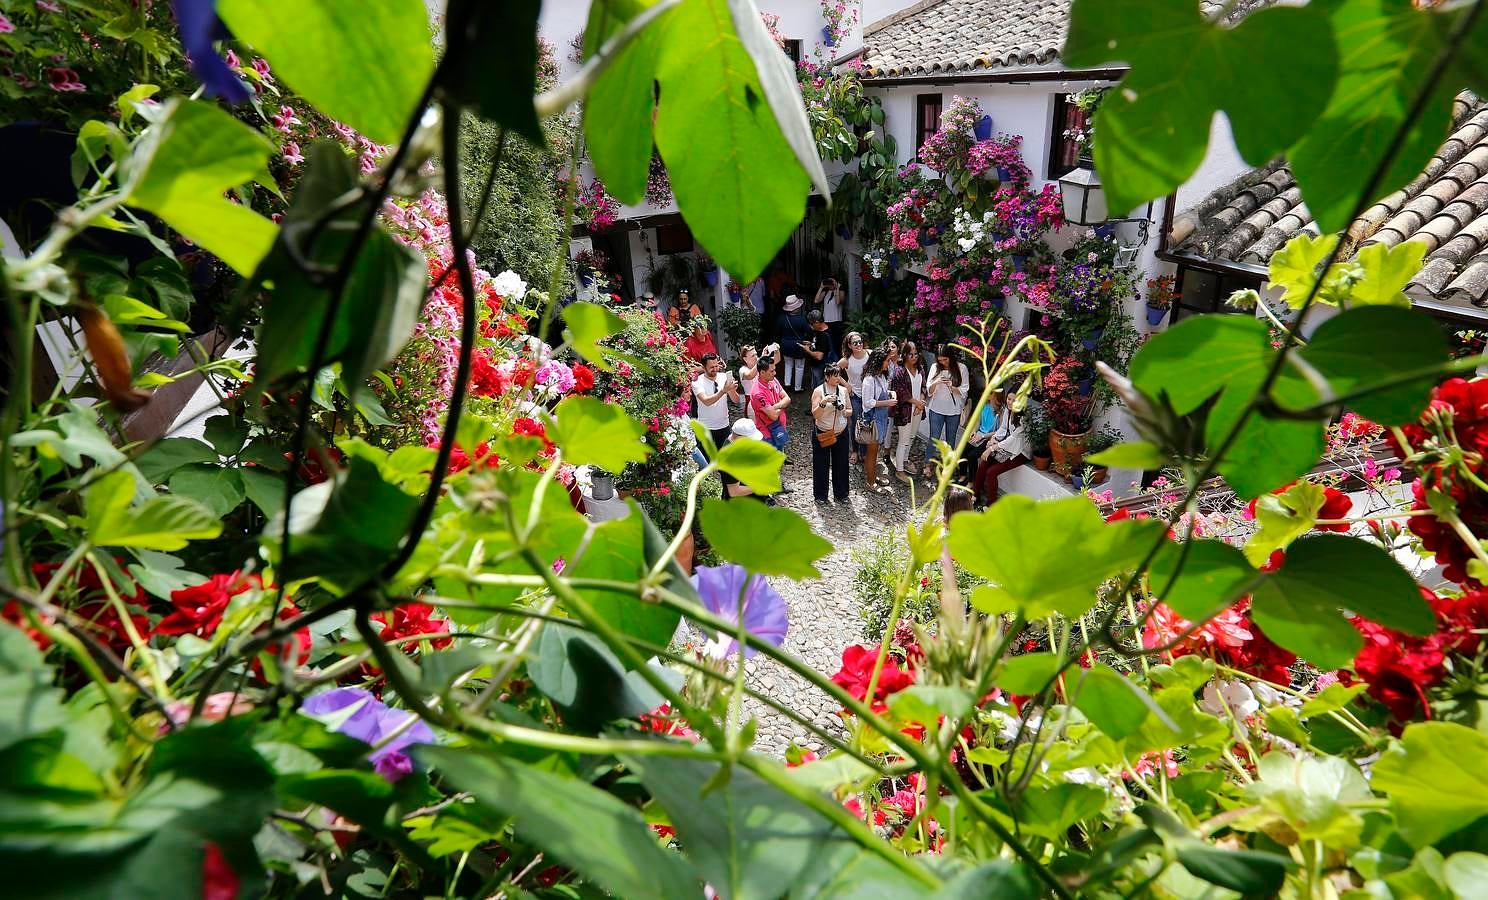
x: 1092, y: 338
x: 983, y: 130
x: 1020, y: 262
x: 1155, y: 315
x: 710, y: 276
x: 827, y: 37
x: 1004, y: 174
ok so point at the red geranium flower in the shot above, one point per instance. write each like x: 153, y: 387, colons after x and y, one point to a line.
x: 198, y: 609
x: 583, y: 378
x: 1336, y: 505
x: 857, y: 671
x: 410, y: 619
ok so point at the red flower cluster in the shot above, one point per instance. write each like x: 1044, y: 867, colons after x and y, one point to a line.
x: 857, y: 671
x: 485, y: 379
x: 88, y: 602
x: 1336, y: 505
x: 484, y: 458
x: 198, y: 609
x: 583, y: 378
x: 409, y: 620
x: 1458, y: 413
x: 1400, y: 667
x: 526, y: 427
x: 1230, y: 638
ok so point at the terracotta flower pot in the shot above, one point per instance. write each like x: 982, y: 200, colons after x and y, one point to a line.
x: 1068, y: 450
x: 685, y: 552
x: 1042, y: 462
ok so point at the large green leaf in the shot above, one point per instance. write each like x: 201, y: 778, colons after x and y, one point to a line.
x: 1282, y: 518
x: 592, y: 431
x: 219, y: 490
x: 1434, y: 779
x: 1050, y: 811
x: 1115, y: 703
x: 746, y: 195
x: 1153, y: 128
x: 747, y: 838
x: 380, y: 304
x: 575, y: 823
x: 1385, y: 49
x: 616, y: 551
x: 1371, y: 345
x: 1299, y: 606
x: 1037, y: 577
x: 766, y: 540
x: 1312, y: 796
x: 1250, y: 872
x: 755, y: 463
x: 345, y: 529
x: 164, y: 457
x: 363, y: 63
x: 197, y: 153
x: 587, y: 325
x: 161, y: 523
x: 622, y: 103
x: 586, y: 682
x: 497, y: 55
x: 29, y: 704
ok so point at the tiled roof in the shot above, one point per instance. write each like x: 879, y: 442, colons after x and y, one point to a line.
x: 1445, y: 207
x: 934, y: 37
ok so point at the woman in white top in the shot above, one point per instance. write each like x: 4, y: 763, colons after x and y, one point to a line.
x: 854, y: 358
x: 945, y: 397
x: 748, y: 371
x: 877, y: 397
x: 909, y: 389
x: 830, y: 409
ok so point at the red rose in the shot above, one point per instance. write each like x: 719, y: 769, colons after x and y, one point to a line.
x: 198, y: 610
x: 410, y: 619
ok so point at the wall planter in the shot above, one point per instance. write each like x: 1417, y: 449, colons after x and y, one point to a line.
x: 983, y: 131
x: 1004, y: 174
x: 586, y: 279
x: 1092, y: 338
x: 601, y: 486
x: 710, y: 277
x: 1020, y: 262
x: 1086, y: 386
x: 1068, y: 450
x: 1155, y: 315
x: 827, y: 37
x: 1078, y: 482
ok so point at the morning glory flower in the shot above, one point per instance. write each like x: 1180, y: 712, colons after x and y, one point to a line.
x: 357, y: 714
x: 200, y: 27
x: 722, y: 588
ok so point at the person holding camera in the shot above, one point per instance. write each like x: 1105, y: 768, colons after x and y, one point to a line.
x: 831, y: 299
x: 877, y: 398
x: 713, y: 389
x: 818, y: 346
x: 794, y: 334
x: 831, y: 407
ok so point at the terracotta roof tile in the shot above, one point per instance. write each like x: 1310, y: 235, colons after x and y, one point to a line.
x: 1445, y: 208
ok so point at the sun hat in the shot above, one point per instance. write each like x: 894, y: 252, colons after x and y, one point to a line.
x: 745, y: 428
x: 792, y: 303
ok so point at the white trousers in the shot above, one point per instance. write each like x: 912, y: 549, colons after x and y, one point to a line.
x: 905, y: 437
x: 795, y: 371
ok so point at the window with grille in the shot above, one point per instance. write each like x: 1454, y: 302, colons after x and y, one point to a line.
x: 1064, y: 149
x: 927, y: 118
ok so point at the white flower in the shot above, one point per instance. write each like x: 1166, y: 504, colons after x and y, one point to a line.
x: 1238, y: 696
x: 509, y: 285
x: 967, y: 244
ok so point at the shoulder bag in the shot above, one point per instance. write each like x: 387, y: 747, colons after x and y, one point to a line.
x: 828, y: 438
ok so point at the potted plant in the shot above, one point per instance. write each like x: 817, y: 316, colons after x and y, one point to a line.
x: 709, y: 268
x: 1070, y: 414
x: 1160, y: 297
x: 1104, y: 439
x: 1037, y: 427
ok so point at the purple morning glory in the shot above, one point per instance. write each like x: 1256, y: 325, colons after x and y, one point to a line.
x: 200, y: 27
x: 357, y: 714
x: 725, y: 589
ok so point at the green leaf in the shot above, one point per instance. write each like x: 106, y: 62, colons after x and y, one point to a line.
x: 264, y: 490
x: 616, y: 551
x: 1282, y: 518
x: 1295, y: 265
x: 1434, y: 779
x: 586, y: 682
x: 199, y: 152
x: 1312, y: 796
x: 1133, y: 454
x: 999, y: 879
x: 744, y: 200
x: 343, y: 530
x: 1186, y: 673
x: 755, y: 463
x: 1467, y: 875
x: 925, y: 704
x: 1228, y: 346
x: 622, y: 103
x: 1027, y: 674
x: 1385, y: 50
x: 1037, y: 577
x: 1154, y: 126
x: 1331, y: 698
x: 126, y: 311
x: 1373, y: 344
x: 165, y: 457
x: 766, y: 540
x: 1199, y: 578
x: 219, y: 490
x: 592, y: 431
x: 747, y: 837
x: 1050, y: 811
x: 1112, y: 701
x: 383, y: 296
x: 1359, y: 576
x: 161, y: 523
x: 1387, y: 270
x: 163, y: 278
x: 497, y: 74
x: 29, y: 704
x: 588, y: 324
x: 1250, y: 872
x: 363, y: 64
x: 575, y: 823
x: 834, y: 770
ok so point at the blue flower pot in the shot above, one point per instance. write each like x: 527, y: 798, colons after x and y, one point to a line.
x: 983, y: 128
x: 927, y: 239
x: 998, y: 303
x: 710, y: 276
x: 1092, y: 338
x: 1004, y: 174
x: 1105, y: 230
x: 1086, y: 386
x: 586, y: 280
x: 1020, y: 262
x: 1078, y: 481
x: 827, y: 37
x: 893, y: 261
x: 1155, y: 316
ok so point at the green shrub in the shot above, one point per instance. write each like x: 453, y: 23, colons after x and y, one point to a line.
x: 879, y: 570
x: 741, y: 325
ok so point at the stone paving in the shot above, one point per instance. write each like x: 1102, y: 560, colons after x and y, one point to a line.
x: 824, y: 615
